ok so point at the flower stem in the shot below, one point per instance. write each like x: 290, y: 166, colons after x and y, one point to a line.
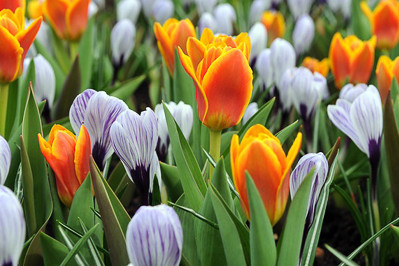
x: 3, y: 107
x: 214, y: 146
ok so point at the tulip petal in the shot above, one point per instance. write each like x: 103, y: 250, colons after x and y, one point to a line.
x: 12, y: 4
x: 207, y: 36
x: 165, y: 46
x: 340, y: 60
x: 10, y: 56
x: 362, y: 64
x: 82, y: 155
x: 76, y: 18
x: 183, y: 31
x: 384, y: 73
x: 56, y: 14
x: 196, y: 51
x: 27, y: 36
x: 386, y: 25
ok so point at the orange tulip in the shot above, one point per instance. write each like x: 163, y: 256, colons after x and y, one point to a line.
x: 275, y: 25
x: 15, y: 40
x: 171, y: 35
x: 12, y: 4
x: 35, y: 9
x: 386, y: 70
x: 261, y: 155
x: 315, y: 65
x: 384, y: 22
x: 222, y: 77
x: 67, y: 17
x: 69, y: 159
x: 351, y: 59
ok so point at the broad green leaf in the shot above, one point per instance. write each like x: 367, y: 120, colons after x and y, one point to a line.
x: 11, y: 113
x: 23, y: 90
x: 340, y: 256
x: 127, y: 88
x: 86, y: 55
x: 170, y: 177
x: 53, y: 250
x: 226, y: 140
x: 360, y: 24
x: 60, y: 52
x: 183, y: 85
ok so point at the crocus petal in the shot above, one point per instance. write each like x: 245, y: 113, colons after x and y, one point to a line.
x: 82, y: 154
x: 77, y: 17
x: 340, y: 61
x: 5, y: 160
x: 10, y: 56
x: 26, y: 37
x: 78, y: 109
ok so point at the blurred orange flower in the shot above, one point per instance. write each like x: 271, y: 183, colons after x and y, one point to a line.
x: 315, y: 65
x: 386, y: 70
x: 275, y: 25
x: 35, y: 8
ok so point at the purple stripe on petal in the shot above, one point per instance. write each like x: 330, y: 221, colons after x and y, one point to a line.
x: 78, y: 109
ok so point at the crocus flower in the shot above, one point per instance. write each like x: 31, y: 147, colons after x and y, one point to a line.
x: 384, y: 22
x: 97, y: 111
x: 275, y: 25
x: 69, y: 159
x: 128, y: 9
x: 155, y: 237
x: 219, y: 67
x: 265, y: 70
x: 262, y: 156
x: 299, y: 7
x: 5, y: 160
x: 258, y: 36
x: 350, y: 92
x: 147, y: 7
x: 171, y: 35
x: 303, y: 34
x: 205, y: 5
x: 225, y: 16
x: 343, y: 6
x: 162, y: 10
x: 15, y: 40
x: 12, y: 229
x: 122, y: 41
x: 285, y: 90
x: 351, y: 59
x: 68, y: 18
x: 207, y: 20
x: 282, y: 58
x: 314, y: 65
x: 386, y: 70
x: 134, y: 138
x: 251, y: 110
x: 93, y: 9
x: 257, y: 9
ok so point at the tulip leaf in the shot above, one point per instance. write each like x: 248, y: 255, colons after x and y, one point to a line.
x: 340, y: 256
x: 226, y: 140
x: 190, y: 174
x: 359, y: 22
x: 291, y: 240
x: 53, y: 250
x: 86, y: 55
x: 127, y: 88
x: 263, y: 247
x: 170, y: 177
x: 23, y: 90
x: 60, y: 52
x: 183, y: 85
x: 286, y: 132
x: 116, y: 177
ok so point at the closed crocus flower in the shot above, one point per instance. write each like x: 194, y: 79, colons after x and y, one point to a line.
x: 147, y: 7
x: 93, y: 9
x: 171, y: 35
x: 258, y: 36
x: 5, y: 160
x: 205, y: 5
x: 314, y: 65
x: 134, y: 138
x: 15, y: 40
x: 386, y: 70
x: 275, y: 25
x: 285, y: 90
x: 69, y: 159
x: 97, y: 111
x: 12, y: 229
x: 257, y: 9
x: 67, y: 17
x: 299, y: 7
x: 384, y: 22
x: 155, y: 237
x: 282, y: 58
x: 122, y: 41
x: 251, y: 110
x: 351, y: 59
x: 350, y: 92
x: 219, y: 67
x: 265, y: 69
x: 162, y: 10
x: 303, y: 34
x: 261, y: 155
x: 128, y: 9
x: 207, y: 20
x: 225, y: 16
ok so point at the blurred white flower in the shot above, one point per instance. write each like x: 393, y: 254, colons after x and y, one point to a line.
x: 258, y: 36
x: 225, y: 16
x: 163, y: 10
x: 122, y: 41
x: 303, y: 34
x: 128, y: 9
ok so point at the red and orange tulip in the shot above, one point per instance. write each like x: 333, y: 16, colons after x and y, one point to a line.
x: 69, y: 159
x: 15, y: 40
x: 386, y: 70
x: 261, y: 155
x: 275, y: 25
x: 173, y: 34
x: 315, y: 65
x: 35, y: 8
x: 384, y: 22
x: 67, y: 17
x: 222, y: 77
x: 351, y: 59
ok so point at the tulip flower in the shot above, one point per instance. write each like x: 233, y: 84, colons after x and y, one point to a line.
x: 261, y: 155
x: 171, y: 35
x: 265, y: 70
x: 68, y: 18
x: 315, y: 65
x: 35, y: 9
x: 258, y: 36
x: 350, y: 92
x: 386, y: 70
x: 12, y: 229
x: 162, y: 10
x: 351, y: 59
x: 12, y: 5
x: 128, y: 9
x: 282, y: 58
x: 207, y: 20
x: 5, y: 160
x: 384, y: 22
x: 69, y: 159
x: 225, y: 16
x: 303, y: 34
x: 97, y: 111
x: 122, y: 41
x: 275, y: 25
x: 299, y: 7
x: 251, y: 110
x: 155, y: 237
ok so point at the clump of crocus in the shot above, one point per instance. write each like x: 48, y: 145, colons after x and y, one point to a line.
x: 314, y: 65
x: 69, y: 159
x: 386, y: 70
x: 261, y: 155
x: 275, y: 25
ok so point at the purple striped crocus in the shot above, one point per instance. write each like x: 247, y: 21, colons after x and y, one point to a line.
x: 134, y: 138
x: 97, y: 111
x: 12, y: 228
x: 350, y: 92
x: 155, y: 237
x: 5, y: 160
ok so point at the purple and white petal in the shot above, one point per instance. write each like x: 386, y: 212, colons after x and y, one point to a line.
x: 303, y: 34
x: 283, y: 57
x: 78, y: 109
x: 207, y: 20
x: 155, y: 169
x: 183, y: 114
x: 258, y: 36
x: 265, y: 69
x: 225, y: 16
x: 299, y: 7
x: 5, y: 160
x: 257, y: 9
x: 350, y: 92
x: 285, y: 89
x: 249, y: 112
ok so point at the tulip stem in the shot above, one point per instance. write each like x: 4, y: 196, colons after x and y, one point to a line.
x: 3, y: 107
x: 214, y: 146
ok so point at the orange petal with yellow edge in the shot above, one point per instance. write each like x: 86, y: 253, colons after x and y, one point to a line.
x: 82, y: 154
x: 180, y: 35
x: 340, y: 61
x: 77, y: 17
x: 386, y: 25
x: 27, y: 36
x: 384, y: 73
x: 165, y: 46
x: 207, y: 36
x: 195, y: 50
x: 12, y: 4
x: 55, y: 11
x: 10, y: 56
x: 362, y: 64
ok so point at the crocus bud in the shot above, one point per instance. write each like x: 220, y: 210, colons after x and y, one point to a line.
x: 225, y: 16
x: 282, y: 57
x: 134, y: 138
x: 285, y: 89
x: 299, y: 7
x: 207, y: 20
x: 303, y: 34
x: 258, y: 36
x: 262, y: 156
x: 12, y: 229
x: 97, y: 111
x: 265, y: 69
x: 257, y: 9
x: 205, y: 5
x: 302, y: 169
x: 155, y: 237
x: 350, y: 92
x: 251, y: 110
x: 386, y: 70
x: 275, y: 25
x: 147, y: 7
x: 315, y: 65
x: 122, y: 41
x: 128, y: 9
x: 5, y: 160
x: 162, y: 10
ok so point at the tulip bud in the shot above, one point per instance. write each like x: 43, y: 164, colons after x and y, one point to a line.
x: 155, y: 237
x: 12, y: 229
x: 299, y: 7
x: 122, y: 41
x: 251, y: 110
x: 257, y: 9
x: 5, y: 160
x: 225, y: 16
x: 275, y: 25
x: 204, y: 6
x: 386, y: 70
x: 265, y: 69
x: 282, y: 58
x: 128, y: 9
x: 207, y: 20
x: 162, y: 10
x: 303, y: 34
x: 350, y: 92
x: 258, y: 36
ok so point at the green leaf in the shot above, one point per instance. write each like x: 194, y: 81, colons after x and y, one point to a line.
x: 86, y: 55
x: 97, y: 260
x: 183, y: 85
x: 60, y: 52
x: 23, y: 90
x: 116, y: 176
x: 340, y: 256
x: 226, y: 140
x: 263, y: 247
x: 170, y: 177
x: 287, y: 132
x: 360, y: 24
x: 127, y: 88
x: 53, y: 250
